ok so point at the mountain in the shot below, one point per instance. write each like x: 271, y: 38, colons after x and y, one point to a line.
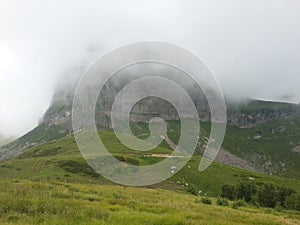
x: 45, y: 179
x: 261, y: 136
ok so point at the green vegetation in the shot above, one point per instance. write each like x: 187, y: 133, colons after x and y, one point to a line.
x: 28, y: 202
x: 228, y: 191
x: 272, y: 149
x: 262, y: 194
x: 222, y: 202
x: 239, y: 203
x: 61, y: 160
x: 293, y: 202
x: 278, y: 138
x: 206, y: 201
x: 51, y: 183
x: 246, y: 191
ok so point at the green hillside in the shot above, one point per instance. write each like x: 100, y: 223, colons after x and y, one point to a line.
x: 268, y: 143
x: 268, y: 146
x: 53, y: 202
x: 51, y: 182
x: 61, y: 160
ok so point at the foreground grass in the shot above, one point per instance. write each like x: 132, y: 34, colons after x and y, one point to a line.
x: 27, y: 202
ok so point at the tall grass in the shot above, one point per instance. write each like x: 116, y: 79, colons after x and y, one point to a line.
x: 27, y: 202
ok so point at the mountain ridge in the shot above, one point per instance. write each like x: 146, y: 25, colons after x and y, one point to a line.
x: 250, y: 122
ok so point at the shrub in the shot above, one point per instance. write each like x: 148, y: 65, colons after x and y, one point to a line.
x: 192, y: 189
x: 206, y: 201
x: 293, y: 202
x: 222, y: 202
x: 267, y: 195
x: 228, y: 191
x: 72, y: 166
x: 246, y: 191
x: 283, y: 194
x: 262, y: 194
x: 239, y: 203
x: 254, y: 201
x: 235, y: 206
x: 278, y: 207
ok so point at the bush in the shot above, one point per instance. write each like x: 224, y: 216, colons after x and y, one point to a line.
x: 283, y: 194
x: 262, y: 194
x: 222, y: 202
x: 254, y: 201
x: 192, y: 189
x: 267, y: 195
x: 235, y: 206
x: 228, y: 191
x: 278, y: 207
x: 82, y: 167
x: 246, y: 191
x: 239, y: 203
x: 293, y: 202
x: 206, y: 201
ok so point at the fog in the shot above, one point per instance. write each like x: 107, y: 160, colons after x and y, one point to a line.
x: 251, y: 46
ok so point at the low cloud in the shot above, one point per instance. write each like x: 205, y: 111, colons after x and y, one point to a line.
x: 252, y: 46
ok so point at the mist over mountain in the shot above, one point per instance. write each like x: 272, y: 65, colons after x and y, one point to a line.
x: 5, y: 140
x: 253, y: 48
x: 150, y: 112
x: 250, y: 122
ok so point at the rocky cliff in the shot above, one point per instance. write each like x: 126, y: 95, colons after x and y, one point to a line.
x: 245, y: 115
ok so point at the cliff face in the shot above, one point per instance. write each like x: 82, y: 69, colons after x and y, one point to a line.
x: 251, y: 113
x: 56, y: 122
x: 244, y: 115
x: 61, y: 108
x: 255, y: 147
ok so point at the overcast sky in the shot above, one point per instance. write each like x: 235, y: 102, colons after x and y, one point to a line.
x: 253, y: 46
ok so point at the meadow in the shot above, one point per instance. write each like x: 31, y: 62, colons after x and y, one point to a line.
x: 28, y: 202
x: 51, y: 183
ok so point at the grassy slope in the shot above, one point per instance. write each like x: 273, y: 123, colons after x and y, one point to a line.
x: 61, y: 160
x: 28, y: 202
x: 275, y: 146
x: 52, y: 184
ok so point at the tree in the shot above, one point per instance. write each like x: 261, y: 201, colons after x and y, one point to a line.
x: 267, y: 195
x: 228, y: 191
x: 293, y: 202
x: 246, y: 191
x: 283, y: 194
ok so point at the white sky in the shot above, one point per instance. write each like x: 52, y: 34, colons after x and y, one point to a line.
x: 253, y: 46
